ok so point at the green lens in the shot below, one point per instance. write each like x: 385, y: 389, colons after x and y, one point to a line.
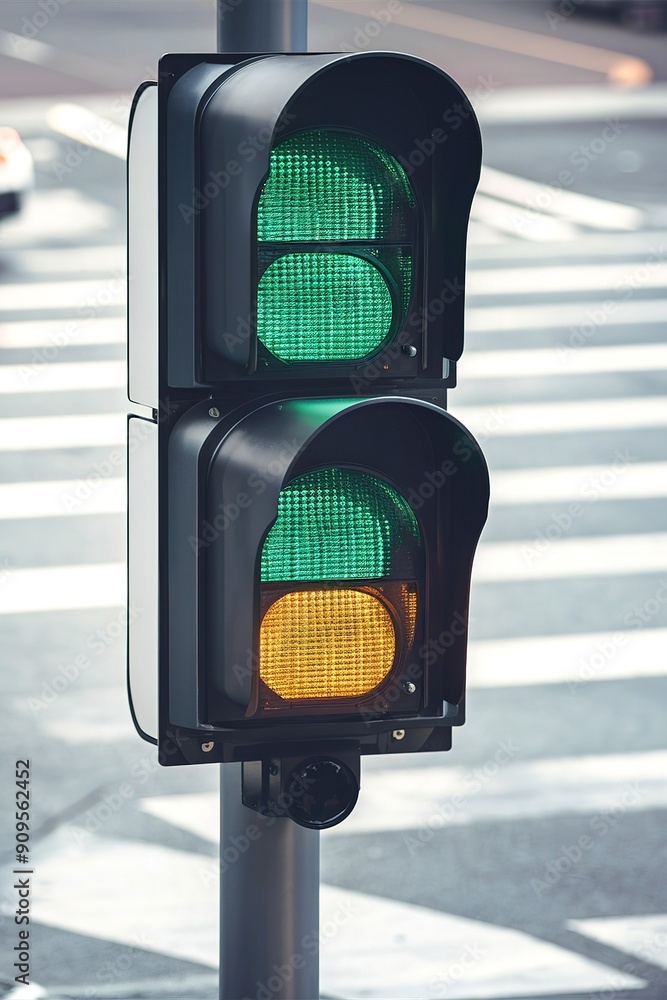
x: 322, y: 307
x: 339, y: 524
x: 333, y: 186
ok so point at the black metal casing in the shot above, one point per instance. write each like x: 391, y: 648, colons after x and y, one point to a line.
x: 225, y: 418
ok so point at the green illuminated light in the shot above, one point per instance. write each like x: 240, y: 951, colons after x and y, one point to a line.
x: 338, y: 524
x: 323, y: 307
x: 333, y: 186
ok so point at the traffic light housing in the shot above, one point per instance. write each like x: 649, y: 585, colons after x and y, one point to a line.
x: 315, y: 508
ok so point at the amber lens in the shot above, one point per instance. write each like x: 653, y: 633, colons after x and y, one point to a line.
x: 326, y: 644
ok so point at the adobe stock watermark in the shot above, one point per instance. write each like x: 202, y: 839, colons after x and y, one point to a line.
x: 32, y: 24
x: 310, y: 945
x: 624, y: 289
x: 580, y: 159
x: 219, y: 180
x: 452, y: 120
x: 446, y: 812
x: 594, y: 489
x: 256, y: 484
x: 94, y: 645
x: 558, y: 14
x: 598, y: 827
x: 650, y: 950
x: 451, y: 977
x: 427, y: 655
x: 367, y: 33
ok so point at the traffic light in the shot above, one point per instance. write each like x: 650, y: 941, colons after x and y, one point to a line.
x: 301, y: 502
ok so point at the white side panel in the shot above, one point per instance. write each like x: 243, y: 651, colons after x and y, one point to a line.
x: 142, y: 558
x: 142, y: 240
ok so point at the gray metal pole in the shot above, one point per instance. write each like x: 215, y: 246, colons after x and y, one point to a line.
x: 262, y: 25
x: 269, y: 902
x: 269, y: 868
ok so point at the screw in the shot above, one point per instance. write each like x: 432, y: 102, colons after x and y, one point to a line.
x: 273, y: 769
x: 410, y: 350
x: 214, y: 412
x: 398, y: 734
x: 207, y: 747
x: 409, y: 687
x: 253, y: 803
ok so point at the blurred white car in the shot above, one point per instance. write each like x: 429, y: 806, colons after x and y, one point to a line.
x: 17, y: 171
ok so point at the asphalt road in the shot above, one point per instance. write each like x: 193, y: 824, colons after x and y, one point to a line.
x: 531, y: 860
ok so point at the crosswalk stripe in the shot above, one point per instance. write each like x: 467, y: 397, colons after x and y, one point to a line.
x: 588, y: 318
x: 541, y: 558
x: 575, y: 660
x: 388, y: 949
x: 62, y: 588
x: 505, y: 218
x: 58, y: 334
x: 88, y: 296
x: 503, y: 420
x: 621, y: 479
x: 70, y: 260
x: 84, y: 430
x: 643, y: 936
x: 586, y: 484
x: 549, y: 361
x: 54, y: 213
x: 543, y: 198
x: 504, y: 788
x: 382, y: 948
x: 518, y: 419
x: 83, y: 125
x: 62, y: 498
x: 62, y: 377
x: 613, y: 278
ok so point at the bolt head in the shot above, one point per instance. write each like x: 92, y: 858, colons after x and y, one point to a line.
x: 207, y: 747
x: 398, y: 734
x: 410, y: 350
x: 409, y: 687
x: 214, y: 412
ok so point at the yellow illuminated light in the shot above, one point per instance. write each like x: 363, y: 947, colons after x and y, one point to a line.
x: 326, y: 644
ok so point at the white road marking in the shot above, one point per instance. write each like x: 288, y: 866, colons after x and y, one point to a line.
x: 58, y: 334
x: 620, y: 479
x: 58, y: 214
x: 114, y: 890
x: 62, y: 377
x: 588, y: 318
x: 542, y: 559
x: 62, y: 498
x: 540, y: 198
x: 540, y: 105
x: 549, y: 361
x: 378, y: 947
x: 504, y: 788
x: 518, y: 419
x: 86, y: 296
x: 643, y: 936
x: 62, y: 588
x: 85, y: 430
x: 615, y: 66
x: 501, y: 216
x: 568, y: 659
x: 83, y: 125
x: 611, y: 278
x: 70, y: 260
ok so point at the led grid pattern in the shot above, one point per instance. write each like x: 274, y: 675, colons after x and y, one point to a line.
x: 332, y: 186
x: 322, y: 307
x: 337, y: 524
x: 346, y: 202
x: 326, y: 644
